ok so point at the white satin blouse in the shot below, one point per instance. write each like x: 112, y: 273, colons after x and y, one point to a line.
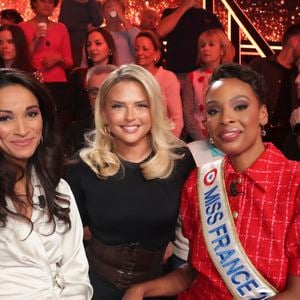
x: 39, y: 265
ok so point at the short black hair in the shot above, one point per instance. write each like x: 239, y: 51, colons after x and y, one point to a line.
x: 243, y: 73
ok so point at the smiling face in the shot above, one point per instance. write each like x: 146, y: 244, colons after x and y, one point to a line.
x: 97, y: 48
x: 145, y: 53
x: 7, y: 48
x: 234, y: 118
x: 20, y: 123
x: 127, y: 115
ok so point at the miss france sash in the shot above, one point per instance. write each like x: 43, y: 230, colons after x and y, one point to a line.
x: 222, y: 242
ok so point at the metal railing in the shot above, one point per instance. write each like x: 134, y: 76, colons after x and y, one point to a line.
x: 237, y: 22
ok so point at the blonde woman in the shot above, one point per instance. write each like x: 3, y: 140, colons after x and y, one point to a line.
x: 214, y: 49
x: 128, y: 182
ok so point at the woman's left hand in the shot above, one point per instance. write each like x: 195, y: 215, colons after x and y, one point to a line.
x: 51, y: 60
x: 134, y: 293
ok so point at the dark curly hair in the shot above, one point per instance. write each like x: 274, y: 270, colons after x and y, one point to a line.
x: 243, y: 73
x: 47, y: 160
x: 22, y: 60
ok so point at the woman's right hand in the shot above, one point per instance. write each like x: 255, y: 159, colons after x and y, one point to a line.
x: 135, y: 292
x: 41, y: 30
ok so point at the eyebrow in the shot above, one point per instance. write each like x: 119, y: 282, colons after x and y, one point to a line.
x: 27, y: 108
x: 120, y: 101
x: 32, y: 106
x: 232, y: 99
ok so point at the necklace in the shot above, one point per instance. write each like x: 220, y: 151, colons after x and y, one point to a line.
x: 136, y: 160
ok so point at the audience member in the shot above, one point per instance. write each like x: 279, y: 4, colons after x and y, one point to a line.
x: 51, y: 53
x: 79, y: 16
x: 180, y: 27
x: 242, y: 225
x: 292, y: 144
x: 122, y: 31
x: 14, y: 51
x: 214, y: 48
x: 74, y: 137
x: 128, y: 182
x: 280, y: 73
x: 41, y: 250
x: 147, y: 55
x: 149, y: 19
x: 100, y: 50
x: 10, y: 16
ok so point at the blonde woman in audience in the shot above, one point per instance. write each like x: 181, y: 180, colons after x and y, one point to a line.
x: 214, y: 48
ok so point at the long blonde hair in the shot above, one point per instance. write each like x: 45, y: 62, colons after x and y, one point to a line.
x: 101, y: 155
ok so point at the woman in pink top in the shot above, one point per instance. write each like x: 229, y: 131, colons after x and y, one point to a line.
x: 214, y: 49
x: 147, y: 55
x: 49, y: 43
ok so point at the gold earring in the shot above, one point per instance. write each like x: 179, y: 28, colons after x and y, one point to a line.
x: 106, y: 129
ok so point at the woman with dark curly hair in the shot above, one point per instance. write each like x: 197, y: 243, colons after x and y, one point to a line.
x: 42, y: 256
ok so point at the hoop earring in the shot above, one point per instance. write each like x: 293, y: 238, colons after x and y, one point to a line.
x: 106, y: 130
x: 263, y: 131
